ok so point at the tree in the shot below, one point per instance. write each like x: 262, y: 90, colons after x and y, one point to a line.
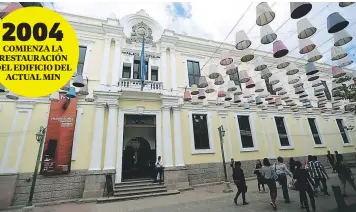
x: 348, y: 92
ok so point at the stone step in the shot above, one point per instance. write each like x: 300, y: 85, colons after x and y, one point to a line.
x: 119, y: 185
x: 127, y: 182
x: 134, y: 188
x: 115, y: 198
x: 139, y: 192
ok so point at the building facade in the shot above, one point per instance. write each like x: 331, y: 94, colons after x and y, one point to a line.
x: 125, y: 126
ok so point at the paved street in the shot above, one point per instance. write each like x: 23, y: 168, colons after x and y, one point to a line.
x: 207, y: 199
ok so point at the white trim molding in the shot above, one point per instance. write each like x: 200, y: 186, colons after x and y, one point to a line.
x: 80, y: 112
x: 211, y: 150
x: 89, y: 45
x: 321, y: 136
x: 290, y: 139
x: 253, y: 132
x: 349, y: 137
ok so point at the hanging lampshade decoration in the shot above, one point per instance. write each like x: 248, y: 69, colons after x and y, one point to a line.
x: 277, y: 87
x: 354, y: 77
x: 213, y: 71
x: 312, y: 77
x: 71, y: 93
x: 251, y: 100
x: 210, y: 88
x: 66, y: 86
x: 238, y: 91
x: 258, y: 100
x: 316, y: 83
x: 250, y: 83
x: 336, y: 23
x: 285, y: 97
x: 231, y: 69
x: 265, y: 107
x: 280, y: 107
x: 344, y: 62
x: 54, y: 97
x: 292, y: 79
x: 84, y: 90
x: 306, y: 45
x: 298, y: 84
x: 227, y: 104
x: 282, y: 63
x: 242, y: 41
x: 231, y: 86
x: 265, y: 73
x: 194, y: 100
x: 305, y: 29
x: 292, y: 69
x: 243, y: 76
x: 264, y: 94
x: 260, y: 64
x: 201, y: 94
x: 228, y: 96
x: 187, y: 96
x: 11, y: 95
x: 318, y: 93
x: 259, y: 87
x: 278, y: 101
x: 337, y: 53
x: 304, y: 100
x: 274, y: 79
x: 314, y: 55
x: 221, y: 92
x: 345, y: 4
x: 303, y: 94
x: 282, y: 92
x: 264, y: 14
x: 291, y: 103
x: 337, y: 72
x: 226, y: 58
x: 341, y: 38
x: 321, y: 96
x: 246, y: 106
x: 219, y: 101
x: 78, y: 81
x: 194, y: 90
x: 299, y: 9
x: 279, y: 49
x: 267, y: 34
x: 247, y: 55
x: 269, y: 97
x: 271, y: 102
x: 336, y: 86
x: 219, y: 80
x: 246, y: 93
x: 236, y: 98
x: 288, y: 100
x: 299, y: 90
x: 310, y: 69
x: 90, y: 97
x: 2, y: 88
x: 203, y: 83
x: 205, y: 103
x: 319, y: 88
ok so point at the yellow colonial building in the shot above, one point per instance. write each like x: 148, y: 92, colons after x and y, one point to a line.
x: 121, y: 130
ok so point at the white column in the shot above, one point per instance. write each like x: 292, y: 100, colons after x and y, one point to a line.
x: 117, y: 63
x: 105, y: 65
x: 167, y: 137
x: 173, y: 69
x: 110, y: 148
x: 305, y: 140
x: 96, y: 146
x: 149, y: 69
x: 178, y: 143
x: 163, y: 70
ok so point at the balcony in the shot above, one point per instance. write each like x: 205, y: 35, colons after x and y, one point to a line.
x: 135, y: 85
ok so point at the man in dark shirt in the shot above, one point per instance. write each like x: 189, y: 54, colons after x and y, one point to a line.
x: 339, y: 157
x: 240, y: 182
x: 331, y: 160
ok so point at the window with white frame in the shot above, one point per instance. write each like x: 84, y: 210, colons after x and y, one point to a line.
x: 282, y: 131
x: 340, y: 124
x: 126, y: 71
x: 137, y: 69
x: 200, y: 131
x: 193, y: 72
x: 82, y: 54
x: 245, y: 131
x: 314, y: 130
x: 154, y: 73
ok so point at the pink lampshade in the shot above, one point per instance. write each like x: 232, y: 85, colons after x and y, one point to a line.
x: 279, y: 49
x: 337, y: 72
x: 244, y: 76
x: 201, y: 94
x: 221, y: 92
x: 278, y: 101
x: 250, y: 83
x: 271, y: 102
x: 187, y: 96
x: 226, y: 58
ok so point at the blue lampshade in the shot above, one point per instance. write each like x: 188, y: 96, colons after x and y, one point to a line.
x: 71, y: 93
x: 336, y: 22
x: 246, y: 106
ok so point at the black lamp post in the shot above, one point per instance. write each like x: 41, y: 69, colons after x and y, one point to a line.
x: 222, y: 135
x: 40, y: 138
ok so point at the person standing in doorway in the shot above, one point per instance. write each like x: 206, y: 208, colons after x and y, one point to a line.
x: 270, y: 175
x: 260, y: 178
x: 331, y: 160
x: 305, y: 185
x: 319, y: 174
x: 282, y: 172
x: 240, y: 182
x: 159, y: 170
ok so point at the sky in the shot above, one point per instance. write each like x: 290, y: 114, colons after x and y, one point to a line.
x: 215, y: 19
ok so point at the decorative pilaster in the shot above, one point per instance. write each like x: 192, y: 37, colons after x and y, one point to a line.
x: 266, y: 139
x: 178, y: 143
x: 105, y: 65
x: 173, y: 69
x: 164, y: 66
x: 117, y: 61
x: 110, y: 148
x: 306, y: 148
x: 96, y: 146
x: 167, y: 137
x: 224, y: 115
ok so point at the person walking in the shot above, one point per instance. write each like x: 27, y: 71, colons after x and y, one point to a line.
x: 345, y: 175
x: 305, y: 185
x: 240, y: 182
x: 282, y: 172
x: 260, y: 178
x: 291, y: 165
x: 318, y: 173
x: 331, y: 160
x: 339, y: 157
x: 159, y: 169
x: 268, y: 172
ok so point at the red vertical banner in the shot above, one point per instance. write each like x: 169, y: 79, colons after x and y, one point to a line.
x: 57, y: 151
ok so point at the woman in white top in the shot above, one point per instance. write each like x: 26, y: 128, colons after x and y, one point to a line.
x: 270, y: 176
x: 282, y: 172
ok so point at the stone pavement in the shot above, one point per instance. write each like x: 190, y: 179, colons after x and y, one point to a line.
x: 210, y: 198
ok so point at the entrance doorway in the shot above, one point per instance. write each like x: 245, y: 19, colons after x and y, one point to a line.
x: 139, y: 147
